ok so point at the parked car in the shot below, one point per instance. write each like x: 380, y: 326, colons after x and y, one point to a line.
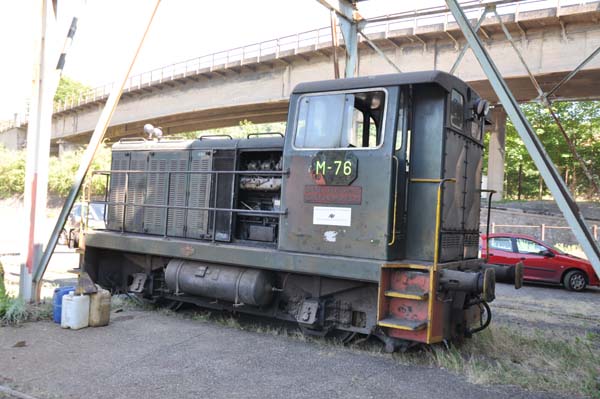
x: 95, y: 220
x: 542, y: 262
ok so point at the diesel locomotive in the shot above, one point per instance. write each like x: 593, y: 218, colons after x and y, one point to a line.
x: 362, y: 219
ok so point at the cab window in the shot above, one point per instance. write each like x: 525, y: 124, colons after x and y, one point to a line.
x: 344, y: 120
x: 457, y: 111
x: 529, y: 247
x: 501, y: 243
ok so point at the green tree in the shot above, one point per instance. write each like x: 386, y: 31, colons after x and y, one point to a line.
x: 581, y: 121
x: 68, y: 87
x: 241, y: 131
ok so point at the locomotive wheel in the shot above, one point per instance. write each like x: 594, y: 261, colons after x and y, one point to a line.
x: 575, y: 280
x: 173, y: 305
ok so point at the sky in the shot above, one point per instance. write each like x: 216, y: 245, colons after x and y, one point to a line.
x: 108, y: 30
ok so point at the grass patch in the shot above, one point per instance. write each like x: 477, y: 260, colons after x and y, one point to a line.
x: 15, y: 311
x: 529, y: 359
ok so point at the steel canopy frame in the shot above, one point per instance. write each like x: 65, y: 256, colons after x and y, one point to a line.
x: 534, y: 146
x: 88, y: 156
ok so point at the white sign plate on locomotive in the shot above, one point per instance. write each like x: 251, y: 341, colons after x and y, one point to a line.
x: 332, y: 216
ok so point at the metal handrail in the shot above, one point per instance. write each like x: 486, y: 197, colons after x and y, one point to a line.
x: 296, y: 43
x: 212, y: 210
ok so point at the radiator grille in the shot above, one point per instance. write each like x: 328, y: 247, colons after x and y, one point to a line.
x: 120, y: 161
x: 156, y: 195
x: 199, y: 194
x: 136, y: 192
x: 177, y: 194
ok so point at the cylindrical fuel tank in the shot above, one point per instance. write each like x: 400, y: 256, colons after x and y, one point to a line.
x: 233, y: 284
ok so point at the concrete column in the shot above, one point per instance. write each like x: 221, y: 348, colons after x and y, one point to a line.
x: 495, y: 176
x: 14, y: 138
x: 66, y: 146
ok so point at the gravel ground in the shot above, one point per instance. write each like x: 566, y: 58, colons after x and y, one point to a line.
x: 549, y: 307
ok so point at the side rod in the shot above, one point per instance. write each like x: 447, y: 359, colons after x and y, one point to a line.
x: 534, y: 146
x: 88, y: 156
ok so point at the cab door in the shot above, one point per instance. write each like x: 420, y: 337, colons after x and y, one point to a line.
x: 338, y: 152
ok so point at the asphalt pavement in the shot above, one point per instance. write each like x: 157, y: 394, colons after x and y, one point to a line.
x: 147, y: 354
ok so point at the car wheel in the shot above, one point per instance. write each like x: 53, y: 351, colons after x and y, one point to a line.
x: 575, y: 280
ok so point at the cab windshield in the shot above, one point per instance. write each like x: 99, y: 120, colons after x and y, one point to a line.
x: 345, y: 120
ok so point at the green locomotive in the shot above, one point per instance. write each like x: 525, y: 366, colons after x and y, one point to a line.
x: 363, y: 218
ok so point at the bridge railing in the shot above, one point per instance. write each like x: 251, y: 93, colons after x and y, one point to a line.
x: 308, y: 41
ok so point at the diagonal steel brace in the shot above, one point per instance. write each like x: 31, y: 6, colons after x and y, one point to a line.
x: 534, y: 146
x: 463, y: 51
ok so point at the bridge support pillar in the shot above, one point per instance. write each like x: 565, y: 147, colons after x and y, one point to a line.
x: 66, y: 146
x: 14, y: 138
x: 496, y: 152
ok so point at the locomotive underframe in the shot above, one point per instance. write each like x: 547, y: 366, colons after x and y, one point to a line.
x: 333, y: 303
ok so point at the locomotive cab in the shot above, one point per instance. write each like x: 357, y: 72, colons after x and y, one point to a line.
x: 366, y: 157
x: 363, y: 218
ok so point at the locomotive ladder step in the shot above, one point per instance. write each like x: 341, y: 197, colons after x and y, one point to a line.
x: 419, y: 296
x: 407, y: 325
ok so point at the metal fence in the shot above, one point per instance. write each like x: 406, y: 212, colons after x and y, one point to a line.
x: 542, y: 231
x: 385, y: 26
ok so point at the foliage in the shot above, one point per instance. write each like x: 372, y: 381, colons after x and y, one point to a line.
x: 12, y: 172
x: 241, y: 131
x: 68, y: 87
x: 581, y: 121
x: 60, y: 175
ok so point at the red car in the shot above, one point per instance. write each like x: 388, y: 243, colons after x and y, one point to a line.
x: 542, y: 262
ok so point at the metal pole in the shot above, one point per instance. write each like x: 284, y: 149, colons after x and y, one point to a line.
x: 349, y: 24
x: 38, y: 150
x: 88, y: 156
x: 335, y: 42
x: 535, y: 148
x: 573, y: 73
x: 466, y: 46
x: 378, y: 51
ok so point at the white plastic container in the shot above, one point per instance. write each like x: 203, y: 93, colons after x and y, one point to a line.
x: 75, y: 312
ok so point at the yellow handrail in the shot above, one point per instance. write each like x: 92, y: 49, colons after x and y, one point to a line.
x: 438, y: 213
x: 395, y: 202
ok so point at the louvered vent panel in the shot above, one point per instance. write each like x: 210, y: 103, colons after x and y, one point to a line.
x: 116, y: 193
x: 177, y: 194
x: 199, y: 195
x: 156, y: 194
x: 134, y: 214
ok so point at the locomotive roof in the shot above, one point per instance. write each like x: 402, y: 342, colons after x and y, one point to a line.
x: 443, y: 79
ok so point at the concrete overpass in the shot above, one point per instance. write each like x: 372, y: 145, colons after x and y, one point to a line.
x: 254, y: 82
